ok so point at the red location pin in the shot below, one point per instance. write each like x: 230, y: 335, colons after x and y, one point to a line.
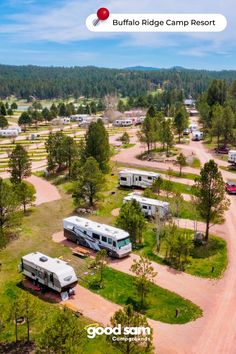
x: 102, y: 15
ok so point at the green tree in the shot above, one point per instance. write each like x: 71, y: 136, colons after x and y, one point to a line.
x: 126, y: 317
x: 3, y: 122
x: 157, y: 184
x: 147, y: 133
x: 100, y: 261
x: 9, y: 207
x: 47, y: 114
x: 132, y: 220
x: 71, y: 152
x: 97, y: 144
x: 166, y: 135
x: 210, y: 195
x: 181, y: 121
x: 217, y: 122
x: 14, y: 106
x: 62, y: 110
x: 89, y: 184
x: 181, y: 162
x: 60, y: 333
x: 144, y: 272
x: 228, y: 124
x: 125, y: 138
x: 10, y: 112
x: 179, y: 246
x: 3, y: 111
x: 25, y: 120
x: 19, y: 164
x: 26, y: 194
x: 121, y: 106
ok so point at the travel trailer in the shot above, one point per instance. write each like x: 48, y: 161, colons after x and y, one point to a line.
x: 97, y: 236
x: 197, y: 136
x: 49, y: 272
x: 8, y: 133
x: 193, y: 127
x: 140, y: 120
x: 137, y: 178
x: 65, y: 120
x: 78, y: 117
x: 232, y: 157
x: 150, y: 207
x: 123, y: 123
x: 17, y: 128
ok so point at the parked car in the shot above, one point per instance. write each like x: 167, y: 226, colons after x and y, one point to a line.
x: 230, y: 187
x: 222, y: 150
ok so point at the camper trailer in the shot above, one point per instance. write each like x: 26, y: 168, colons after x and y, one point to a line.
x: 49, y: 272
x: 123, y: 123
x: 97, y: 236
x: 17, y: 128
x: 6, y: 133
x: 232, y: 157
x: 150, y: 207
x: 193, y: 127
x: 137, y: 178
x: 197, y: 136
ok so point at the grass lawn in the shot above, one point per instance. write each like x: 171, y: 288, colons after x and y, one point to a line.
x: 161, y: 303
x: 203, y: 258
x: 195, y: 163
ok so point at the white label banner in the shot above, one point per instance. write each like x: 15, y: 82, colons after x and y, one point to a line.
x: 158, y: 23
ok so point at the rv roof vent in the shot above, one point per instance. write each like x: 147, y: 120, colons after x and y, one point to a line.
x: 43, y: 259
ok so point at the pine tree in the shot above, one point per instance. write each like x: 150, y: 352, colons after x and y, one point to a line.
x: 19, y: 164
x: 97, y: 144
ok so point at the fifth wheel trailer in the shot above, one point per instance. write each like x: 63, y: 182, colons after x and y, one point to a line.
x: 232, y: 157
x: 150, y: 207
x: 137, y: 178
x: 49, y: 272
x: 97, y: 236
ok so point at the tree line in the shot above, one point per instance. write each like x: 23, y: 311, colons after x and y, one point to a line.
x: 26, y: 82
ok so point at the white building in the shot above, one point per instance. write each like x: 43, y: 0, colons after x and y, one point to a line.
x: 137, y: 178
x: 49, y: 272
x: 97, y: 236
x: 150, y: 207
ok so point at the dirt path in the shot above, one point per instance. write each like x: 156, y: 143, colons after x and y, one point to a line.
x: 45, y: 191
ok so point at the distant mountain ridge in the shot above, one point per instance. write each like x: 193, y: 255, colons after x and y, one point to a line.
x: 141, y: 68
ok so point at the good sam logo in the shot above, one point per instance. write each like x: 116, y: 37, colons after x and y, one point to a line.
x: 119, y: 333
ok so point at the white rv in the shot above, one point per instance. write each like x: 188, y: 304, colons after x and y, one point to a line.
x: 97, y: 236
x: 232, y: 156
x: 193, y: 127
x: 137, y: 178
x: 17, y: 128
x: 197, y: 136
x: 150, y: 207
x: 8, y: 133
x: 49, y: 272
x: 65, y: 120
x: 123, y: 123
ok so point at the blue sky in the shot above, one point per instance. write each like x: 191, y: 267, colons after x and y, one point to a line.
x: 54, y: 33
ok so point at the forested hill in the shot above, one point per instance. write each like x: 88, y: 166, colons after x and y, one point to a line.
x: 60, y: 82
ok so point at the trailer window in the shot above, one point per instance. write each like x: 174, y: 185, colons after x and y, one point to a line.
x: 110, y: 241
x: 104, y: 239
x: 150, y: 178
x: 140, y: 178
x: 114, y: 243
x: 144, y: 207
x: 96, y: 236
x: 123, y: 179
x: 124, y: 242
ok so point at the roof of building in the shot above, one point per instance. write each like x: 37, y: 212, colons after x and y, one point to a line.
x: 147, y: 201
x: 53, y: 265
x: 140, y: 172
x: 95, y: 227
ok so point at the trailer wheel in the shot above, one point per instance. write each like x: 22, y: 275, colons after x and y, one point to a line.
x: 110, y: 254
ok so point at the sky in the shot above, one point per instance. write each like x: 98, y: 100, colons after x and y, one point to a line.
x: 53, y: 33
